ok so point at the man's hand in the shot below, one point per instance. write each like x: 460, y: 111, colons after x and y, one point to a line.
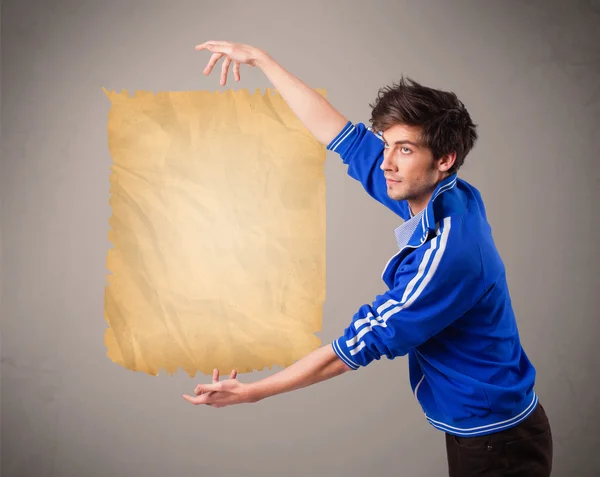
x: 322, y: 120
x: 315, y: 367
x: 220, y: 394
x: 235, y: 52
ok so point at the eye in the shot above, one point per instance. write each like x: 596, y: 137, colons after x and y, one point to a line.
x: 405, y: 150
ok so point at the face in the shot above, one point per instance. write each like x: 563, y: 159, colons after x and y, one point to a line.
x: 409, y: 167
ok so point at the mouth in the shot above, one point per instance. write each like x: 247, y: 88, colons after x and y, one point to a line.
x: 391, y: 181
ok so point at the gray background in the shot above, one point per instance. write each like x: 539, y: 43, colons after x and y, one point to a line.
x: 527, y: 71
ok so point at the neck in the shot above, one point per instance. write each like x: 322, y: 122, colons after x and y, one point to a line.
x: 417, y: 205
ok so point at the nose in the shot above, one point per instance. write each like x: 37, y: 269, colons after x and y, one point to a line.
x: 387, y: 164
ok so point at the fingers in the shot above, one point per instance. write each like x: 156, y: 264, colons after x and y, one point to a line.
x: 195, y: 399
x: 211, y: 399
x: 224, y: 47
x: 220, y: 49
x: 236, y: 70
x: 212, y: 43
x: 215, y: 379
x: 212, y: 62
x: 208, y: 388
x: 208, y: 393
x: 208, y: 399
x: 202, y: 389
x: 224, y: 70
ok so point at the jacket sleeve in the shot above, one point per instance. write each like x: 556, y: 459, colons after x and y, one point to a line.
x: 362, y: 151
x: 433, y: 288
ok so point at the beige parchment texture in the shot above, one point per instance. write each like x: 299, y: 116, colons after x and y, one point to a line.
x: 217, y: 232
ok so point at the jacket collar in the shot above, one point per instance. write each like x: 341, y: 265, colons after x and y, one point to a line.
x: 445, y: 185
x: 427, y: 222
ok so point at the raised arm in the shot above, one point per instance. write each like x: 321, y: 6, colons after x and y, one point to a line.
x: 360, y: 149
x: 316, y: 113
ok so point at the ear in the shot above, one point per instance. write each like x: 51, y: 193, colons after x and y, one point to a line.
x: 446, y: 162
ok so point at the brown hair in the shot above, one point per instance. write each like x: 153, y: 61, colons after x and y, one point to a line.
x: 444, y: 121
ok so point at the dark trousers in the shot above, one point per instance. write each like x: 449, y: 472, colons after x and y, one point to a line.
x: 523, y: 450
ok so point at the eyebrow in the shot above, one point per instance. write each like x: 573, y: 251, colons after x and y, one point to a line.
x: 404, y: 141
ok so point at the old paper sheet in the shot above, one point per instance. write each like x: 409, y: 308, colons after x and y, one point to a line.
x: 218, y: 232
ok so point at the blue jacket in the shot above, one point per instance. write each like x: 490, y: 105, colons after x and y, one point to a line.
x: 447, y: 305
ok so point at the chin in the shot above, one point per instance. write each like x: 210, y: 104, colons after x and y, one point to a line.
x: 393, y: 196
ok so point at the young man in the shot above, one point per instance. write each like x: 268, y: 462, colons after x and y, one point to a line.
x: 447, y: 305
